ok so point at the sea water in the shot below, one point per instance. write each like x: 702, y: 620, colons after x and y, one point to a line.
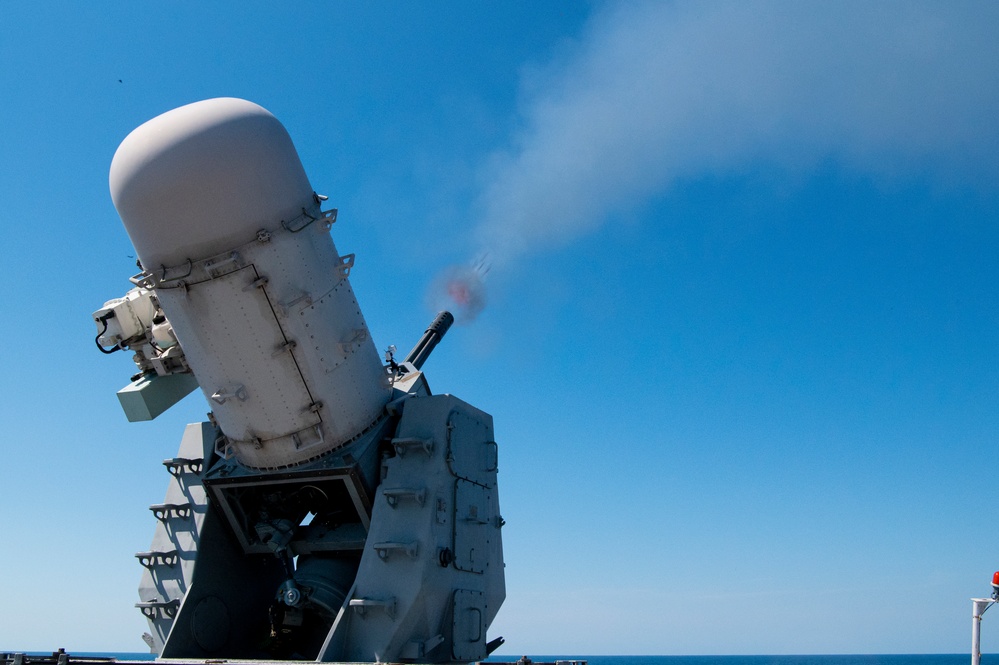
x: 923, y: 659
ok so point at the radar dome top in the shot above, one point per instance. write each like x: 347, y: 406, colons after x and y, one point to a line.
x: 204, y: 178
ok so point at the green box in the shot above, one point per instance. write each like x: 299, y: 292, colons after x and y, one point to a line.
x: 151, y: 395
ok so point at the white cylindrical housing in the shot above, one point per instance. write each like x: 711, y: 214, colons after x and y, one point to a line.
x: 222, y: 215
x: 978, y: 607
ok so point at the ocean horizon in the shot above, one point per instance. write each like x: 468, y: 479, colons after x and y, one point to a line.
x: 803, y: 659
x: 764, y: 659
x: 800, y: 659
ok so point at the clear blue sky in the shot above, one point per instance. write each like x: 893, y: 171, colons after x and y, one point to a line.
x: 741, y: 341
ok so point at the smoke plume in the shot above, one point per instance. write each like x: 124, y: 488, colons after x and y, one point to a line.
x: 657, y: 91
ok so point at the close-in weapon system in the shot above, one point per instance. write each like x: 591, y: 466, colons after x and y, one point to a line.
x: 331, y: 508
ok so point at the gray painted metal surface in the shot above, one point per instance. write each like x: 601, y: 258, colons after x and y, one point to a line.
x: 332, y: 509
x: 169, y: 561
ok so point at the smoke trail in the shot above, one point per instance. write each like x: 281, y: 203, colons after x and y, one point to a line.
x: 656, y: 92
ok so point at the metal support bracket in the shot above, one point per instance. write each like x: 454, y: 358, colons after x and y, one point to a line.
x: 344, y: 264
x: 395, y: 494
x: 361, y: 605
x: 415, y: 649
x: 384, y: 550
x: 287, y: 347
x: 258, y: 283
x: 180, y: 465
x: 165, y: 511
x: 403, y: 445
x: 222, y: 394
x: 347, y: 345
x: 151, y: 608
x: 152, y: 559
x: 215, y: 267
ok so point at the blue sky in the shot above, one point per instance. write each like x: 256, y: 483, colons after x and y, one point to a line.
x: 740, y: 337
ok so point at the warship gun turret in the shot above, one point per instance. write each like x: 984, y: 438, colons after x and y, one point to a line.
x: 332, y: 507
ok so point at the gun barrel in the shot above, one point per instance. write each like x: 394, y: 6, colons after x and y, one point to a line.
x: 431, y: 338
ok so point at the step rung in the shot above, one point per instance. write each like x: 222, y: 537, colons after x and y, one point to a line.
x: 180, y: 465
x: 153, y: 607
x: 165, y: 511
x: 153, y: 559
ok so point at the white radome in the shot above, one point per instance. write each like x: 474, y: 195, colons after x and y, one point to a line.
x: 230, y: 232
